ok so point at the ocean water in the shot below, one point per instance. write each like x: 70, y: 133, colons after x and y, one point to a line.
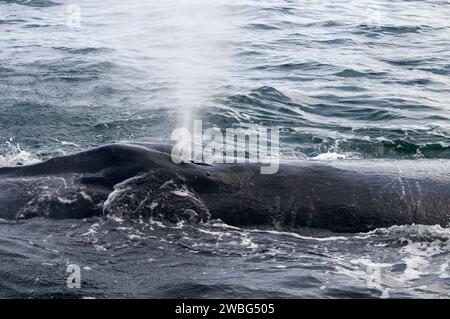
x: 342, y: 79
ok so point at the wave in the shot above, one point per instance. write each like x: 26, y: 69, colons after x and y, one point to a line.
x: 357, y: 124
x: 31, y: 3
x: 393, y: 29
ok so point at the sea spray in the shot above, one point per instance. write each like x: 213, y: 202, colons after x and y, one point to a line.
x: 197, y: 43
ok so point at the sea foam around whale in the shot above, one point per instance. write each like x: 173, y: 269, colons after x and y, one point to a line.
x: 217, y: 260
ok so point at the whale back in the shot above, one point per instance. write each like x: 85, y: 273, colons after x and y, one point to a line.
x: 344, y: 196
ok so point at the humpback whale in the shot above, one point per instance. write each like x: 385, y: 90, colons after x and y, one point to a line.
x: 141, y: 180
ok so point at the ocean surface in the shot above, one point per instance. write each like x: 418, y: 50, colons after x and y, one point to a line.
x: 342, y: 80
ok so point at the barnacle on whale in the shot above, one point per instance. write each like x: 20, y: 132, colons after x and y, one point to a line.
x: 159, y: 194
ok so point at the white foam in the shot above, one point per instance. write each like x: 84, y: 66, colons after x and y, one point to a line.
x: 134, y: 237
x: 70, y: 144
x: 179, y: 225
x: 225, y: 226
x: 369, y: 263
x: 418, y: 256
x: 115, y: 218
x: 247, y: 242
x: 274, y: 232
x: 99, y: 248
x: 92, y: 230
x: 156, y: 222
x: 332, y: 156
x: 13, y: 155
x: 213, y: 233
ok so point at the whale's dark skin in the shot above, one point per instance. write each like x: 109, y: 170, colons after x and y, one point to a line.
x: 342, y: 196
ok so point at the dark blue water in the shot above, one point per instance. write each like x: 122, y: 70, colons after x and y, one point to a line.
x: 342, y: 79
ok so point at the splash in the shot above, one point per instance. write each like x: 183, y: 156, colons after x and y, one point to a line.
x: 13, y: 154
x: 196, y: 41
